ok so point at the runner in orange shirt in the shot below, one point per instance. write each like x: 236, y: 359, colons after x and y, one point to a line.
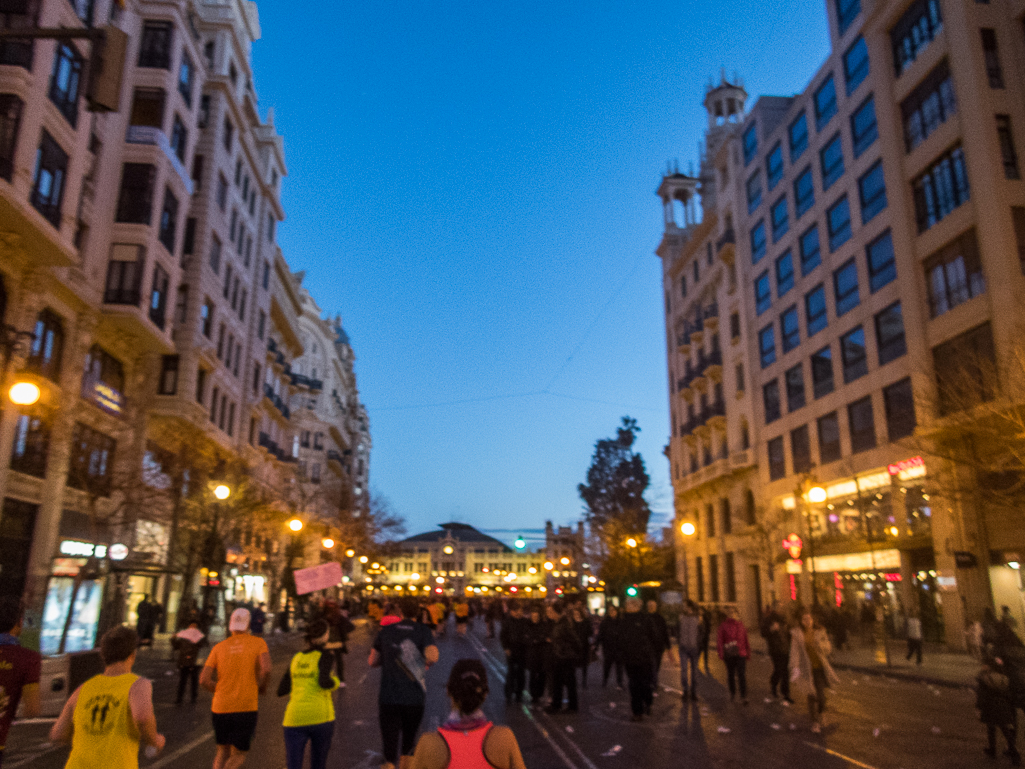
x: 236, y: 672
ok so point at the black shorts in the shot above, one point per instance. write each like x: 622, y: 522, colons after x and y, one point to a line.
x: 235, y: 729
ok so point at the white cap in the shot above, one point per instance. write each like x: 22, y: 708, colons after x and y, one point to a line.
x: 239, y: 621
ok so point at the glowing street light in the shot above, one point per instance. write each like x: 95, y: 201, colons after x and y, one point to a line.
x: 24, y: 393
x: 222, y: 492
x: 549, y: 565
x: 350, y: 553
x: 448, y: 550
x: 363, y: 559
x: 414, y: 577
x: 631, y: 542
x: 817, y: 495
x: 295, y: 524
x: 564, y: 561
x: 688, y: 529
x: 327, y: 542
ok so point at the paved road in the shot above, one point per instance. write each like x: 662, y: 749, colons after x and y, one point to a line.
x: 872, y: 723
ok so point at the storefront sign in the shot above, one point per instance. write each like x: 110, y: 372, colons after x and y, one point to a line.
x: 908, y: 468
x: 793, y: 545
x: 965, y: 560
x: 76, y: 549
x: 946, y: 582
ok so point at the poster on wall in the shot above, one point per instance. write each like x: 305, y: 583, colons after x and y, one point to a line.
x: 84, y: 620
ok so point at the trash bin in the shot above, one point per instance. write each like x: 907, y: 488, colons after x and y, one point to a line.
x: 61, y: 675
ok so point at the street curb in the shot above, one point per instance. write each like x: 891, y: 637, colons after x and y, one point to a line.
x: 893, y: 674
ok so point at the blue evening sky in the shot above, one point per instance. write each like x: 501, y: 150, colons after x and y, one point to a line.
x: 471, y: 185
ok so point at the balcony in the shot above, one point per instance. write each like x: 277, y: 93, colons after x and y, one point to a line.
x: 275, y: 401
x: 334, y: 461
x: 140, y: 134
x: 725, y: 247
x: 711, y: 317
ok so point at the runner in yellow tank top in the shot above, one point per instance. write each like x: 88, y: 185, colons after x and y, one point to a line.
x: 108, y: 715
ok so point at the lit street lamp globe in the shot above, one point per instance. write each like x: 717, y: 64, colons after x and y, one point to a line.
x: 631, y: 542
x: 363, y: 559
x: 688, y: 529
x: 564, y: 561
x: 350, y: 553
x: 328, y: 543
x: 549, y: 565
x: 817, y: 495
x: 295, y: 525
x: 24, y: 393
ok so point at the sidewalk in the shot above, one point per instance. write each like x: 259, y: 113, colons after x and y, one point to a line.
x: 939, y: 667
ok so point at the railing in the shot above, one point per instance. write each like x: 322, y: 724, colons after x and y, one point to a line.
x: 334, y: 456
x: 272, y: 346
x: 316, y: 384
x: 143, y: 134
x: 276, y: 401
x: 728, y: 238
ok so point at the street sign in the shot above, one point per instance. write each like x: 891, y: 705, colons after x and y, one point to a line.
x: 317, y: 577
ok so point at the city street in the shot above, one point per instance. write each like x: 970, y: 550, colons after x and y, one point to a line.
x: 872, y: 722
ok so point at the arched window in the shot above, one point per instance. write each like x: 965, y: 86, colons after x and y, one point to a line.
x: 47, y: 346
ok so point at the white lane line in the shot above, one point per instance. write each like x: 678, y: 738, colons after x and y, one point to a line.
x: 544, y: 733
x: 33, y: 757
x: 188, y: 747
x: 848, y: 759
x: 41, y: 720
x: 576, y: 749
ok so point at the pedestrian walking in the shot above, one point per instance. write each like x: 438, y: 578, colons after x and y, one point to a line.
x: 734, y: 651
x: 662, y: 639
x: 997, y: 710
x: 145, y: 624
x: 810, y: 671
x: 690, y: 635
x: 439, y: 615
x: 514, y: 639
x: 106, y: 717
x: 609, y: 642
x: 20, y: 670
x: 310, y: 713
x: 914, y: 631
x: 186, y: 645
x: 538, y: 644
x: 236, y: 671
x: 565, y: 653
x: 638, y: 641
x: 258, y: 620
x: 468, y: 739
x: 461, y: 609
x: 776, y: 633
x: 403, y: 650
x: 585, y: 630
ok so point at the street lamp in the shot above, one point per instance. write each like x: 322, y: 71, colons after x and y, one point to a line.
x: 363, y: 559
x: 631, y: 542
x: 295, y: 525
x: 221, y: 492
x: 549, y: 565
x: 350, y: 553
x: 327, y: 542
x: 688, y: 529
x: 24, y: 393
x: 564, y: 561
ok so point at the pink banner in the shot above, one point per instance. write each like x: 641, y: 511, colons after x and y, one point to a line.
x: 318, y: 577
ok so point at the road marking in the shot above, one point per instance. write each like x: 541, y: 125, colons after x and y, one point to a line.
x: 165, y: 760
x: 29, y: 759
x: 576, y: 749
x: 848, y: 759
x: 544, y: 733
x: 42, y: 720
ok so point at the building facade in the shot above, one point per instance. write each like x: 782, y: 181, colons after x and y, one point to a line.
x: 144, y: 290
x: 856, y: 252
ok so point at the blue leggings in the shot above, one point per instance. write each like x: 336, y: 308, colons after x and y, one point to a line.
x: 319, y: 737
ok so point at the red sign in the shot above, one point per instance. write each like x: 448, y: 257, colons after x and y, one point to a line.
x: 905, y: 465
x: 793, y: 545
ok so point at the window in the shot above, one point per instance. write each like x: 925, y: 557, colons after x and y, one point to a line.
x: 758, y: 242
x: 229, y: 134
x: 784, y: 273
x: 838, y: 221
x: 829, y: 438
x: 780, y: 219
x: 899, y: 405
x: 318, y: 441
x: 852, y: 354
x: 189, y: 240
x: 800, y: 449
x: 203, y: 118
x: 770, y: 398
x: 124, y: 274
x: 168, y: 220
x: 261, y: 322
x: 222, y: 192
x: 168, y: 384
x: 206, y: 318
x: 198, y: 162
x: 10, y: 120
x: 846, y: 12
x: 809, y: 246
x: 228, y: 274
x: 890, y: 334
x: 179, y: 138
x: 794, y: 379
x: 215, y: 253
x: 710, y: 518
x: 791, y: 332
x: 965, y: 370
x: 200, y: 385
x: 777, y: 459
x: 845, y: 286
x: 1007, y: 153
x: 31, y: 446
x: 862, y: 425
x: 954, y: 274
x: 798, y: 137
x: 48, y: 179
x: 804, y: 192
x: 855, y: 65
x: 928, y: 106
x: 831, y: 157
x: 774, y: 166
x: 738, y: 372
x: 148, y: 108
x: 882, y: 268
x: 92, y: 455
x: 734, y: 325
x: 750, y: 143
x: 750, y: 511
x: 822, y: 372
x: 914, y: 31
x: 864, y: 129
x: 825, y: 103
x: 158, y: 297
x: 135, y: 201
x: 47, y: 346
x: 727, y: 528
x: 815, y: 309
x: 265, y: 281
x: 992, y: 57
x: 767, y: 346
x: 102, y: 368
x: 155, y: 48
x: 185, y: 78
x: 872, y: 192
x: 1018, y: 222
x: 754, y: 191
x: 763, y: 293
x: 65, y: 80
x: 271, y: 225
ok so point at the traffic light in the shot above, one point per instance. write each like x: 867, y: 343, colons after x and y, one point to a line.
x: 632, y: 591
x: 106, y: 66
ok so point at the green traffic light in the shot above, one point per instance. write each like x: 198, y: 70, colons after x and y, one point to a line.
x: 632, y: 591
x: 520, y: 543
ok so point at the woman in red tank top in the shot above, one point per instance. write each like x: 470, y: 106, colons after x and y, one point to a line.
x: 467, y: 739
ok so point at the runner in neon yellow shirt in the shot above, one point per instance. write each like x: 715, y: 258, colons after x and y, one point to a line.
x: 310, y: 714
